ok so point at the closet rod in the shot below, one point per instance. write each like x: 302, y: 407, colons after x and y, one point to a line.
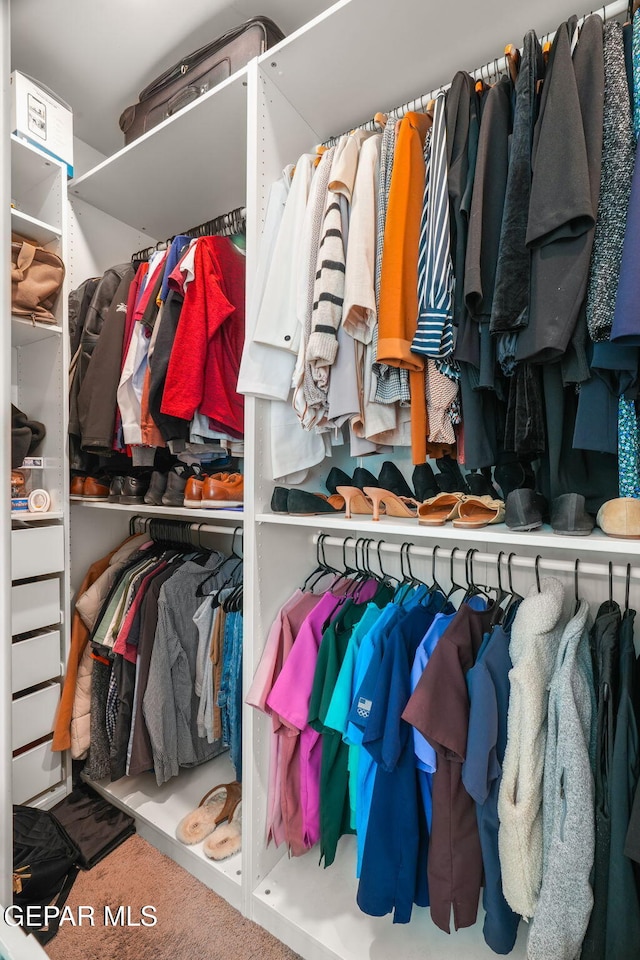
x: 557, y: 566
x: 234, y: 221
x: 194, y: 526
x: 491, y: 69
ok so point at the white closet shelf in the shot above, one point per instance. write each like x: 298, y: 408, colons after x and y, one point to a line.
x: 36, y: 517
x: 544, y: 540
x: 158, y: 811
x: 179, y: 513
x: 29, y: 167
x: 336, y: 927
x: 32, y: 228
x: 192, y: 180
x: 362, y: 37
x: 25, y: 331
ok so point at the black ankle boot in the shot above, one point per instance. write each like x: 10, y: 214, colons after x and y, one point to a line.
x: 480, y: 484
x: 450, y: 479
x: 424, y: 482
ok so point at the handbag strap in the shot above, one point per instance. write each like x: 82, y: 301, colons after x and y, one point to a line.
x: 44, y: 936
x: 24, y: 261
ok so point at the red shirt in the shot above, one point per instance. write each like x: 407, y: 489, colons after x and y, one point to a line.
x: 205, y: 359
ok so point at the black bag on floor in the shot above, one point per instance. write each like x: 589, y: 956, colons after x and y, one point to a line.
x: 94, y: 825
x: 44, y: 867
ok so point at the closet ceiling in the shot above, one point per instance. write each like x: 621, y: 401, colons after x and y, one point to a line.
x: 98, y: 56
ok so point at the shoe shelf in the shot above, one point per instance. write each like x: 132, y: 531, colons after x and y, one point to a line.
x: 181, y: 513
x: 544, y: 539
x: 159, y: 810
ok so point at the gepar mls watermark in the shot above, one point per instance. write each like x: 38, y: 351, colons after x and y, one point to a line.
x: 82, y: 916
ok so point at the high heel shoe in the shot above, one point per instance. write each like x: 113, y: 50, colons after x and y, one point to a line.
x: 384, y: 501
x: 356, y: 501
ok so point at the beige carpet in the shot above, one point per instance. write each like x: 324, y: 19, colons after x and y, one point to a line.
x: 193, y: 922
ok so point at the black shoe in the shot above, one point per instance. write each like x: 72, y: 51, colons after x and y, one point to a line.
x: 177, y: 478
x: 514, y: 476
x: 280, y: 499
x: 336, y: 478
x: 525, y: 509
x: 363, y: 478
x: 301, y: 503
x: 391, y: 479
x: 450, y: 479
x: 480, y: 484
x: 569, y: 516
x: 134, y: 489
x: 157, y: 487
x: 424, y: 482
x: 115, y: 489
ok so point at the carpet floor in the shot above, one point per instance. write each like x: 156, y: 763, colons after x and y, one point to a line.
x: 193, y: 922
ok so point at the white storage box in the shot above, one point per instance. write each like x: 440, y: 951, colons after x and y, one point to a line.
x: 38, y: 116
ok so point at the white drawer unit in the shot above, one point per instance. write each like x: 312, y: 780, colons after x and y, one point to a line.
x: 36, y: 552
x: 34, y: 660
x: 35, y: 605
x: 35, y: 771
x: 33, y: 716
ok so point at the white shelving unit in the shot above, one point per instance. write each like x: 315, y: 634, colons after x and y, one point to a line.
x: 40, y: 542
x: 223, y: 151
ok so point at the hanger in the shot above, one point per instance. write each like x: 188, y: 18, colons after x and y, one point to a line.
x: 610, y: 581
x: 512, y: 54
x: 575, y: 585
x: 628, y: 579
x: 435, y: 586
x: 322, y: 567
x: 475, y: 589
x: 454, y: 586
x: 501, y: 593
x: 537, y: 569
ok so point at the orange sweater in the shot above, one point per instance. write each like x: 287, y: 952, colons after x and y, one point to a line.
x: 398, y: 310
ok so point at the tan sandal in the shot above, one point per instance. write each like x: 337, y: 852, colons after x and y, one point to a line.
x: 227, y: 839
x: 384, y: 501
x: 356, y: 502
x: 477, y: 512
x: 215, y: 807
x: 435, y: 511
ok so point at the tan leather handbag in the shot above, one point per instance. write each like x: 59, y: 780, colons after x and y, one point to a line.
x: 36, y: 278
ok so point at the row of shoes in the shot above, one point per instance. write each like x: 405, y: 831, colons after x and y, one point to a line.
x: 182, y: 486
x: 217, y: 821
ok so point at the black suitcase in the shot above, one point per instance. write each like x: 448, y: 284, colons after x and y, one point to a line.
x: 197, y: 73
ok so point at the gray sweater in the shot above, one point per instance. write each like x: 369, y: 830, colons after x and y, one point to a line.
x: 566, y: 898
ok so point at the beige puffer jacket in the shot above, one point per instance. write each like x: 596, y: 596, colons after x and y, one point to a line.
x: 88, y: 607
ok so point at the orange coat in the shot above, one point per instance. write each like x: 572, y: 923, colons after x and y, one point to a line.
x: 398, y: 309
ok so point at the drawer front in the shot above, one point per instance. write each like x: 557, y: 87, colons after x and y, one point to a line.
x: 35, y: 771
x: 35, y: 605
x: 33, y: 716
x: 35, y: 660
x: 36, y: 552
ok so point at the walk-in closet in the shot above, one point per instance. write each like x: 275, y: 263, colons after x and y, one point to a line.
x: 218, y: 173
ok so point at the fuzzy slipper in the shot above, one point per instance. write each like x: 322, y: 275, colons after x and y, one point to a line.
x: 227, y: 839
x: 215, y: 807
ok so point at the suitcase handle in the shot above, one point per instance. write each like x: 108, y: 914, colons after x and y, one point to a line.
x: 182, y: 99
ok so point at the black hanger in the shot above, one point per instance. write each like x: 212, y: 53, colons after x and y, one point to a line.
x: 626, y: 588
x: 537, y: 569
x: 435, y: 586
x: 501, y: 593
x: 610, y: 581
x: 454, y: 586
x: 575, y: 585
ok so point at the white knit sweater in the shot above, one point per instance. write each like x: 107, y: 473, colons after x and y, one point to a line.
x: 535, y: 638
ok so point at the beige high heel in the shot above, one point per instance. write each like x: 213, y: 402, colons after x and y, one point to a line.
x: 384, y: 501
x: 355, y: 502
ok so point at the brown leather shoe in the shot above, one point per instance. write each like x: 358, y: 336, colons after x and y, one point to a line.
x: 77, y: 487
x: 193, y: 493
x: 95, y: 490
x: 230, y: 490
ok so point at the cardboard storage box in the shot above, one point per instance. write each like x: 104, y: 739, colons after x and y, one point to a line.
x: 40, y: 117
